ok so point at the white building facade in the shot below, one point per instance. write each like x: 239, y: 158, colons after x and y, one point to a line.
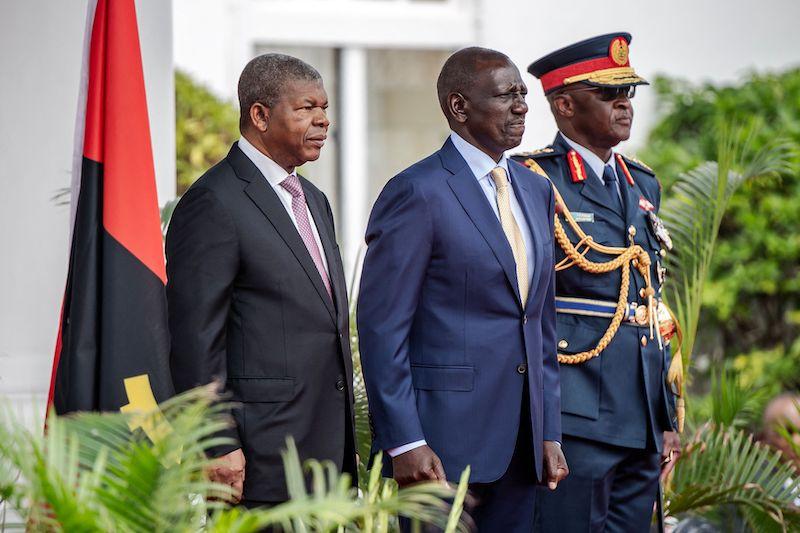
x: 380, y: 58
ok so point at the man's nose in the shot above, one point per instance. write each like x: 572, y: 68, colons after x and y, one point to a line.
x: 519, y: 107
x: 623, y: 102
x: 321, y: 119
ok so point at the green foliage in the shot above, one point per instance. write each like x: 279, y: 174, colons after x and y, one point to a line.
x: 726, y: 476
x: 723, y: 467
x: 694, y: 211
x: 361, y: 405
x: 92, y: 472
x: 205, y: 128
x: 730, y: 403
x: 773, y: 369
x: 753, y: 292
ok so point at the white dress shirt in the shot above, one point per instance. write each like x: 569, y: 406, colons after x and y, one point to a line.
x: 274, y: 175
x: 595, y: 163
x: 481, y: 165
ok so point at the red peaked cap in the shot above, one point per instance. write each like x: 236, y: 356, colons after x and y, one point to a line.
x: 600, y: 61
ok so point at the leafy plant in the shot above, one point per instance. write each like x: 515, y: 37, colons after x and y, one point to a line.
x: 694, y: 210
x: 205, y: 128
x: 725, y: 475
x: 724, y: 466
x: 752, y: 295
x: 99, y: 472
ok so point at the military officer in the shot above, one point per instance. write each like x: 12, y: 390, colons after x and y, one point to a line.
x: 617, y: 410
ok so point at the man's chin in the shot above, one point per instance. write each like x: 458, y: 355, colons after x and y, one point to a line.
x: 622, y: 132
x: 512, y: 141
x: 312, y: 155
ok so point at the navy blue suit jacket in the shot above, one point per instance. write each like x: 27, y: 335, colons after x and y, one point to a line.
x: 621, y: 396
x: 442, y: 330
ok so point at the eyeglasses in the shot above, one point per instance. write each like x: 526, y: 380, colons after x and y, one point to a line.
x: 608, y: 94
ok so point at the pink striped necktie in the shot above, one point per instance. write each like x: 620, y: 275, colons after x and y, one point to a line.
x: 292, y: 184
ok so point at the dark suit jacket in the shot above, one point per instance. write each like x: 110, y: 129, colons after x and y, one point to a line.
x: 248, y: 306
x: 619, y: 397
x: 441, y: 327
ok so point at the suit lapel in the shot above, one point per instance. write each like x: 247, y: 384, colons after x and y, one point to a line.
x: 592, y: 187
x: 260, y: 192
x: 471, y: 197
x: 630, y: 196
x: 522, y: 192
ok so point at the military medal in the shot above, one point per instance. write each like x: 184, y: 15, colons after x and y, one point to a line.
x: 662, y: 273
x: 659, y: 230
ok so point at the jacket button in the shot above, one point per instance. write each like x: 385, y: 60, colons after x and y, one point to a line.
x: 644, y: 340
x: 524, y: 319
x: 340, y: 385
x: 522, y: 368
x: 642, y: 292
x: 563, y: 344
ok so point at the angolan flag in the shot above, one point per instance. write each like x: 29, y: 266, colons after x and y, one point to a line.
x: 112, y: 350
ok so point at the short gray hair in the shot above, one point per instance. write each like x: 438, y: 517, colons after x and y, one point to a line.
x: 264, y: 77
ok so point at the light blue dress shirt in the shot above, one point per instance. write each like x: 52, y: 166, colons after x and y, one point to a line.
x: 481, y: 165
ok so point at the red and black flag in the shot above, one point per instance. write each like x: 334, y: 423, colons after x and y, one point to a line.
x: 112, y: 350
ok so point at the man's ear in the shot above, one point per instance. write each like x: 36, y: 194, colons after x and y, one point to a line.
x: 259, y: 116
x: 457, y: 107
x: 563, y: 105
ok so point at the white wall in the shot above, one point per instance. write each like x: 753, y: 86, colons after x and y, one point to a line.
x: 41, y: 45
x: 700, y: 40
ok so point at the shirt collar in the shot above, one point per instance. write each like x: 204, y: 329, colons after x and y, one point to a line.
x: 272, y: 171
x: 590, y: 158
x: 479, y: 163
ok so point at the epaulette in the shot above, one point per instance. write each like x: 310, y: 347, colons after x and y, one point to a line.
x: 541, y: 152
x: 635, y: 163
x: 638, y: 164
x: 534, y: 166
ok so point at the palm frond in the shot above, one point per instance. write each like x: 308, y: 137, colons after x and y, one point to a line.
x: 92, y: 473
x: 328, y: 501
x: 726, y: 466
x: 762, y: 522
x: 731, y: 404
x: 694, y: 210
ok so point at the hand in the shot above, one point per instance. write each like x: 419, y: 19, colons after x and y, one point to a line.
x: 419, y: 464
x: 229, y: 470
x: 555, y: 465
x: 670, y: 453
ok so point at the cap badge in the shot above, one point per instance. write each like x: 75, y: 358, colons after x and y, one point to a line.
x: 618, y: 51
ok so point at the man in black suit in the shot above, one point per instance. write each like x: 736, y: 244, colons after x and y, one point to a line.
x: 256, y: 291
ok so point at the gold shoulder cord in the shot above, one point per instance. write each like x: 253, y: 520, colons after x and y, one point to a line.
x: 623, y: 259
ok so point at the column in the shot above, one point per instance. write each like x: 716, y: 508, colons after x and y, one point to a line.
x: 353, y: 185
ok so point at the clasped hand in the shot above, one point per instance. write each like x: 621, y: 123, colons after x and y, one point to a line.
x: 229, y: 470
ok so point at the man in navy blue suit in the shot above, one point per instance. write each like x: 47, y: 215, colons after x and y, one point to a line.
x: 456, y: 315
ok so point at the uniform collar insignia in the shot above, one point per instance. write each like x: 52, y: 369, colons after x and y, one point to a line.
x: 624, y: 167
x: 576, y: 167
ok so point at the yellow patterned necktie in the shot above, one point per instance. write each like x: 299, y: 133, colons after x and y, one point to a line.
x: 511, y: 229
